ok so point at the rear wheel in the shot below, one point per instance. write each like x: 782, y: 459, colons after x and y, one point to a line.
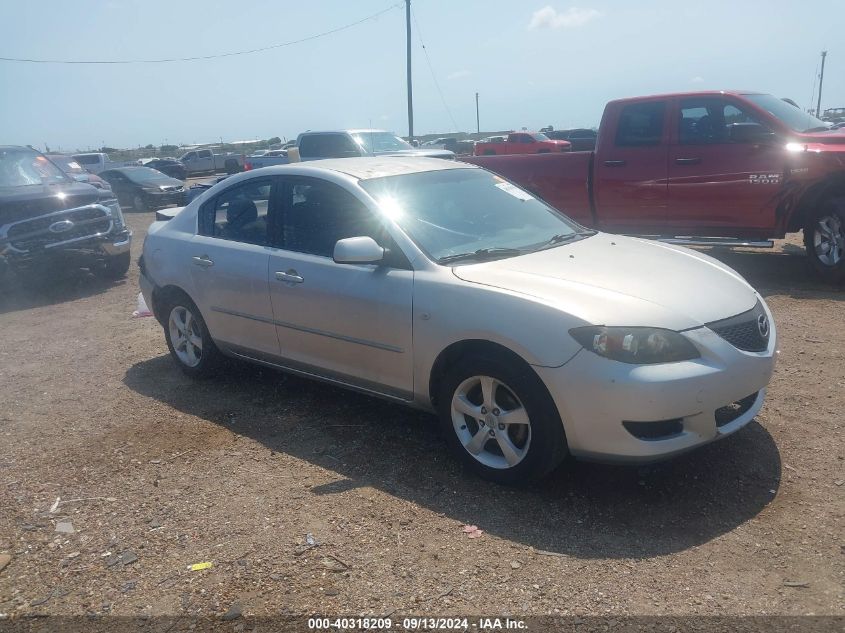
x: 500, y: 420
x: 188, y: 339
x: 824, y: 239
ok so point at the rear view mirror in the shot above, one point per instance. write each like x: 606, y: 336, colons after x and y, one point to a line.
x: 358, y: 250
x: 750, y: 133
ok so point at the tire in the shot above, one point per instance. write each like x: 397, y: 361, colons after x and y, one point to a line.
x: 232, y: 166
x: 196, y: 363
x: 521, y: 451
x: 544, y: 151
x: 138, y: 203
x: 824, y: 240
x: 113, y: 268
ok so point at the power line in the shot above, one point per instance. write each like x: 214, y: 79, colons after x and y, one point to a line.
x: 431, y: 70
x: 203, y: 57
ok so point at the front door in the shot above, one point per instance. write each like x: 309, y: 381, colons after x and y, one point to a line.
x: 347, y: 322
x: 229, y: 262
x: 716, y: 182
x: 630, y: 170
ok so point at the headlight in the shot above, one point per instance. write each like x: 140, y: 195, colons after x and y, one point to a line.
x: 635, y: 345
x: 116, y: 213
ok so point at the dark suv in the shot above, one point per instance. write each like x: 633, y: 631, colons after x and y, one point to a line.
x: 48, y: 221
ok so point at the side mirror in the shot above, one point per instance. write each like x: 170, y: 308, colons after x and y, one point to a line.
x: 358, y: 250
x: 750, y: 133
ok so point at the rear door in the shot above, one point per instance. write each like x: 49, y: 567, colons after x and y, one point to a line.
x: 716, y: 184
x: 347, y: 322
x: 205, y: 160
x: 229, y: 261
x: 631, y: 191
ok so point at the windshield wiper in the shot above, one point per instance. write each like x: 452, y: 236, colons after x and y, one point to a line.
x: 482, y: 253
x: 560, y: 238
x: 820, y: 128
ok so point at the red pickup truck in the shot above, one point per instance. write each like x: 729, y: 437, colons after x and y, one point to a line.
x: 706, y: 168
x: 522, y: 143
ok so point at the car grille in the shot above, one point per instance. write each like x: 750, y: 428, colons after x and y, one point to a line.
x: 72, y: 225
x: 730, y: 412
x: 748, y: 331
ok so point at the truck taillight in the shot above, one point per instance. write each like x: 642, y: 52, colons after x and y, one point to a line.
x: 247, y: 165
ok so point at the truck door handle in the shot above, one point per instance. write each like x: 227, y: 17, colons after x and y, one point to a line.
x: 291, y: 276
x: 687, y: 161
x: 614, y: 163
x: 203, y: 260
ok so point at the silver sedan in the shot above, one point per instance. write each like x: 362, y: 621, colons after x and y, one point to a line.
x: 442, y: 286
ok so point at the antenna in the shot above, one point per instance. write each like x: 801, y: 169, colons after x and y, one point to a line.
x: 410, y: 89
x: 821, y: 80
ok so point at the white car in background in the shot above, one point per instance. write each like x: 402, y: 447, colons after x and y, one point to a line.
x: 442, y: 286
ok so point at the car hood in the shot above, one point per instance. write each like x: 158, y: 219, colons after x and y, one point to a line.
x: 614, y: 280
x: 19, y: 203
x: 429, y: 153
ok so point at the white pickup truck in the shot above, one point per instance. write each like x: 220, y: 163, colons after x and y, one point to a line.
x: 200, y: 161
x: 95, y: 162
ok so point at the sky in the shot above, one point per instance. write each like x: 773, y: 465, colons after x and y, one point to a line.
x: 533, y: 62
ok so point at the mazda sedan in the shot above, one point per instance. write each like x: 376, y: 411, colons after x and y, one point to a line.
x: 442, y: 286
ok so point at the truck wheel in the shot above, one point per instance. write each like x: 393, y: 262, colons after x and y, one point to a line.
x: 113, y: 268
x: 500, y: 420
x: 824, y: 239
x: 544, y: 151
x: 138, y: 203
x: 232, y: 166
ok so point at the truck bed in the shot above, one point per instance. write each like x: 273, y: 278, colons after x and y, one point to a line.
x: 559, y: 179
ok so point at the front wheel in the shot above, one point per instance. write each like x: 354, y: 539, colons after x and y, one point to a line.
x: 188, y: 339
x: 500, y: 420
x: 138, y: 203
x: 824, y: 240
x: 113, y: 268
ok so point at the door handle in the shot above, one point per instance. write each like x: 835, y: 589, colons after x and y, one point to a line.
x: 687, y: 161
x: 203, y: 260
x: 291, y: 277
x: 614, y: 163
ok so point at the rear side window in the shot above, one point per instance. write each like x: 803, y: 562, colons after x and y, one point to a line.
x: 204, y: 153
x: 87, y: 159
x: 641, y: 124
x: 240, y: 214
x: 327, y: 146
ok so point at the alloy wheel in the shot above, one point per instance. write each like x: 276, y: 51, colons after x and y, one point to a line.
x: 185, y: 336
x: 829, y: 240
x: 491, y: 422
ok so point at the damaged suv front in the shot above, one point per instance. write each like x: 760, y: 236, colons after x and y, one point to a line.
x: 50, y: 221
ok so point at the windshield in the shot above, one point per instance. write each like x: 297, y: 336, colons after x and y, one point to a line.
x: 793, y: 117
x: 375, y: 142
x: 146, y: 175
x: 540, y: 137
x: 20, y: 167
x: 452, y: 212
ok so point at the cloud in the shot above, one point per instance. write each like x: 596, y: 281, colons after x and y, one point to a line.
x: 697, y: 80
x: 458, y: 74
x: 573, y: 17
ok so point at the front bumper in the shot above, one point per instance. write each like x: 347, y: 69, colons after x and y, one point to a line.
x: 596, y: 397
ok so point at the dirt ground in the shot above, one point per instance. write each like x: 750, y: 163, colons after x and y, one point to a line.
x: 154, y: 473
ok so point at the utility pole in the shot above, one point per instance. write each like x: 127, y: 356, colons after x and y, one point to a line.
x: 410, y: 90
x: 821, y: 79
x: 477, y: 120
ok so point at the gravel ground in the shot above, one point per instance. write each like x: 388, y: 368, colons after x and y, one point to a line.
x: 155, y: 472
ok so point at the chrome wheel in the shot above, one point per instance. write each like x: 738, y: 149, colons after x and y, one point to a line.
x: 829, y: 240
x: 185, y: 336
x: 138, y: 203
x: 491, y: 422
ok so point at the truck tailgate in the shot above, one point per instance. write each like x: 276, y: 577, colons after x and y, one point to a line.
x: 559, y: 179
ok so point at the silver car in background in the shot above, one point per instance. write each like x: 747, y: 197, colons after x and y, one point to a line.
x: 442, y: 286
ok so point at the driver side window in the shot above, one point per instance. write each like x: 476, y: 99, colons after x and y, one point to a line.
x: 709, y: 121
x: 319, y: 213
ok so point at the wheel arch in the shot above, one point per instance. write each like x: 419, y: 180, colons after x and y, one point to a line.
x: 470, y: 347
x: 160, y: 296
x: 831, y: 187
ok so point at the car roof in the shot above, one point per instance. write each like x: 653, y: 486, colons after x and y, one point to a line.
x: 357, y: 130
x: 375, y: 167
x: 696, y: 93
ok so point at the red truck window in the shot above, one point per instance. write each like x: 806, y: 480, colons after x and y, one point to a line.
x: 641, y: 124
x: 707, y: 120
